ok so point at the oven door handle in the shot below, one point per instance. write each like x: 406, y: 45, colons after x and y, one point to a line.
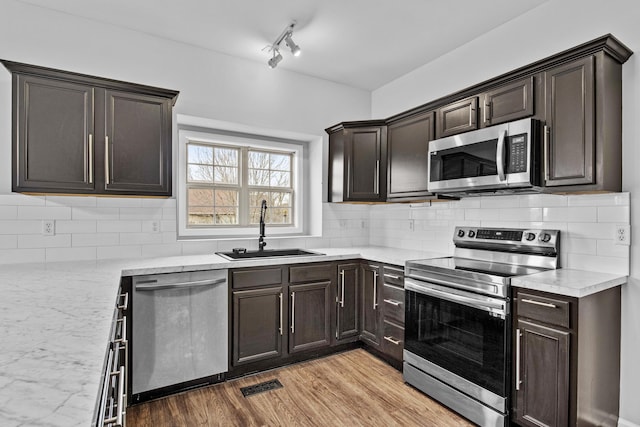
x: 492, y: 306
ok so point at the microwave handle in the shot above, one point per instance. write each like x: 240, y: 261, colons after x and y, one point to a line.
x: 500, y: 155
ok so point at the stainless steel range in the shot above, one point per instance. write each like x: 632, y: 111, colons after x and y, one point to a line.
x: 457, y: 317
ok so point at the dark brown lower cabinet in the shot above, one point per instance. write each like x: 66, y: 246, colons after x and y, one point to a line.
x: 566, y: 367
x: 257, y: 324
x: 543, y: 391
x: 370, y: 307
x: 347, y: 301
x: 310, y: 310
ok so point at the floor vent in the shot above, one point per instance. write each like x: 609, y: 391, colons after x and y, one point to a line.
x: 259, y: 388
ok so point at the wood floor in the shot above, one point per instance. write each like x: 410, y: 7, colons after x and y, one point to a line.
x: 347, y: 389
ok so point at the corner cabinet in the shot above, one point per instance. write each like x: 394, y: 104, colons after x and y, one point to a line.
x: 78, y: 134
x: 566, y: 359
x: 357, y: 162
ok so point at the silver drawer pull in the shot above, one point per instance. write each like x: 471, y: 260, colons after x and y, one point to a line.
x: 393, y: 302
x: 543, y: 304
x: 392, y: 341
x: 391, y: 276
x: 118, y: 419
x: 123, y: 330
x: 125, y: 303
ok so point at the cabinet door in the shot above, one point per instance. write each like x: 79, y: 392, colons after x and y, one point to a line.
x: 137, y: 144
x: 509, y: 102
x: 310, y: 325
x: 347, y: 301
x: 542, y: 396
x: 337, y: 183
x: 53, y: 135
x: 366, y: 165
x: 457, y: 117
x: 371, y: 289
x: 407, y: 158
x: 569, y: 137
x: 258, y: 323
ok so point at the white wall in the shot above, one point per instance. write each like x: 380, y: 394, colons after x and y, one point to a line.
x: 553, y: 27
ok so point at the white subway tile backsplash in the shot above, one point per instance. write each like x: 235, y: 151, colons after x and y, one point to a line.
x: 119, y: 226
x: 66, y: 201
x: 169, y: 213
x: 481, y: 214
x: 140, y: 213
x: 21, y: 227
x: 169, y: 249
x: 542, y: 200
x: 119, y: 202
x: 598, y: 263
x: 578, y: 246
x: 619, y: 214
x: 113, y: 252
x: 570, y: 214
x: 140, y: 238
x: 605, y: 199
x: 95, y: 239
x: 80, y: 226
x: 500, y: 202
x: 8, y: 212
x: 71, y: 254
x: 8, y: 241
x: 32, y: 241
x: 159, y: 203
x: 19, y: 256
x: 609, y: 248
x: 18, y: 199
x: 94, y: 213
x: 520, y: 214
x: 592, y: 231
x: 44, y: 212
x: 195, y: 247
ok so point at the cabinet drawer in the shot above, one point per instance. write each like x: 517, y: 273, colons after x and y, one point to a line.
x: 546, y: 309
x: 310, y: 273
x: 393, y: 275
x: 393, y: 340
x: 253, y: 277
x: 393, y: 303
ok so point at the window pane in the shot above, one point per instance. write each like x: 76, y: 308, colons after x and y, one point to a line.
x: 200, y: 215
x: 279, y: 216
x: 256, y: 198
x: 226, y: 215
x: 280, y: 199
x: 200, y: 173
x: 200, y: 197
x: 226, y: 157
x: 258, y: 160
x: 199, y: 154
x: 226, y: 198
x: 226, y: 175
x: 280, y: 179
x: 259, y: 177
x: 281, y: 162
x: 254, y: 215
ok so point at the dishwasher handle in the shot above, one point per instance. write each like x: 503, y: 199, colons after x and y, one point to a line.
x: 155, y: 286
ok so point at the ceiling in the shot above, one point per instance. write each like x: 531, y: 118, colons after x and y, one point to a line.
x: 360, y: 43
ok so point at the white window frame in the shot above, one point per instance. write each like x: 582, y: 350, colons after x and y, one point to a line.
x: 218, y: 137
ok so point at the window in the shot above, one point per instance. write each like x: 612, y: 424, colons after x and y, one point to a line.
x: 226, y: 185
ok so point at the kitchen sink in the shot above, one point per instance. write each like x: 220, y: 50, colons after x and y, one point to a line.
x: 240, y: 254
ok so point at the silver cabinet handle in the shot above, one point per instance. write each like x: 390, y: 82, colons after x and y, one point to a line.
x: 342, y: 288
x: 125, y: 304
x: 123, y: 336
x: 391, y: 276
x: 106, y: 160
x: 90, y: 158
x: 293, y: 312
x: 500, y: 155
x: 487, y: 106
x: 392, y: 341
x: 280, y: 313
x: 543, y: 304
x: 118, y: 419
x: 375, y: 290
x: 393, y: 302
x: 377, y: 182
x: 546, y: 149
x: 518, y: 335
x: 159, y: 286
x: 105, y: 389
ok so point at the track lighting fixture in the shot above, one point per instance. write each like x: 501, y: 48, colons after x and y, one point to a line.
x: 285, y: 36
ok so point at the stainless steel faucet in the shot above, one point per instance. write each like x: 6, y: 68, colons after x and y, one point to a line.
x: 263, y: 211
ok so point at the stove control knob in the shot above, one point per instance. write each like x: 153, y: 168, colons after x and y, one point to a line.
x: 530, y: 236
x: 472, y: 234
x: 460, y: 233
x: 545, y: 237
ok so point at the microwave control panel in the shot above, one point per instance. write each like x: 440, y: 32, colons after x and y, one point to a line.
x: 517, y: 160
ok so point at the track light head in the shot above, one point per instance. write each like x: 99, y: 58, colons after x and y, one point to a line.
x: 295, y: 49
x: 275, y: 59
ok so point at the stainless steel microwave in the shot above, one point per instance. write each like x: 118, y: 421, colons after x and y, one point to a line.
x: 502, y: 158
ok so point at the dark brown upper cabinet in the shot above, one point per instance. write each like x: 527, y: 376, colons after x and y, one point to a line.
x: 78, y: 134
x: 457, y: 117
x: 357, y: 162
x: 407, y: 157
x: 512, y: 101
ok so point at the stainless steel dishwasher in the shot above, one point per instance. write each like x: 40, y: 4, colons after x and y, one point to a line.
x: 179, y: 332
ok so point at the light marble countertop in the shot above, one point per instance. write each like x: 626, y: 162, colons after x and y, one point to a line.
x: 56, y: 319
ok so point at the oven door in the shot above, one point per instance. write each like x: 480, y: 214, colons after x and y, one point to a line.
x: 462, y: 336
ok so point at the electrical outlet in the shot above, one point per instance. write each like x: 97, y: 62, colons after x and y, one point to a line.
x: 363, y: 224
x: 48, y: 227
x: 623, y: 235
x: 155, y: 226
x: 412, y: 224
